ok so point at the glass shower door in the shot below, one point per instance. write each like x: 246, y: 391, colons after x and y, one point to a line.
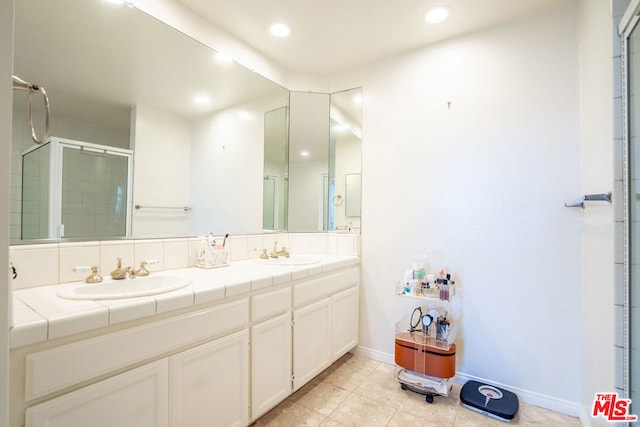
x: 94, y: 193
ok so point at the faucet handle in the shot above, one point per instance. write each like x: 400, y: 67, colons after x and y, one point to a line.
x: 143, y: 270
x: 94, y: 277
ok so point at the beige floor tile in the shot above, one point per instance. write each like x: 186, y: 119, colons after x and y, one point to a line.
x: 290, y: 414
x: 356, y: 391
x: 347, y: 376
x: 359, y: 411
x: 324, y: 398
x: 404, y: 419
x: 361, y: 362
x: 469, y: 418
x: 305, y: 389
x: 443, y: 409
x: 530, y: 415
x: 383, y: 386
x: 330, y: 422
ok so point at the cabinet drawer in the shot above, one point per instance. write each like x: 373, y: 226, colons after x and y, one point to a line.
x: 315, y: 289
x: 51, y: 370
x: 270, y: 304
x: 138, y: 398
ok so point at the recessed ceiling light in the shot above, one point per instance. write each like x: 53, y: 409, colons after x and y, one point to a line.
x: 120, y: 2
x: 202, y: 99
x: 436, y: 14
x: 222, y: 58
x: 280, y: 30
x: 304, y: 153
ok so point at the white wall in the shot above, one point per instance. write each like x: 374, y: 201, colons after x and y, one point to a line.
x: 482, y: 184
x: 6, y: 70
x: 227, y: 169
x: 161, y: 168
x: 596, y: 106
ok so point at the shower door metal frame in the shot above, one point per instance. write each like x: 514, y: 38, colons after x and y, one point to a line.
x: 628, y: 24
x: 56, y: 147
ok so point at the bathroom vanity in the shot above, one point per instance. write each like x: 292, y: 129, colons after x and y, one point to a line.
x: 222, y: 351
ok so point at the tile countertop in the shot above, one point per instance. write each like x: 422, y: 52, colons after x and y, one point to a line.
x: 40, y: 315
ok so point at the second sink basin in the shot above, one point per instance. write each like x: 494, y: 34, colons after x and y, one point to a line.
x: 126, y: 288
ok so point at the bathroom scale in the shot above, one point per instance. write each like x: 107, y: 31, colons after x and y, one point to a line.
x: 489, y: 400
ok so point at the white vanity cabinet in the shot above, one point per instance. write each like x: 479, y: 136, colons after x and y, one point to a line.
x: 137, y: 398
x: 325, y: 323
x: 270, y: 364
x: 201, y: 376
x: 270, y: 350
x: 209, y: 384
x: 222, y: 364
x: 311, y: 341
x: 345, y: 318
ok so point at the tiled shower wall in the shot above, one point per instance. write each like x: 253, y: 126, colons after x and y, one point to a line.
x: 47, y: 264
x: 618, y: 8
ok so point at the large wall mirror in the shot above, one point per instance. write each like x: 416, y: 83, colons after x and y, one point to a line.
x: 121, y: 81
x: 325, y: 146
x: 156, y: 135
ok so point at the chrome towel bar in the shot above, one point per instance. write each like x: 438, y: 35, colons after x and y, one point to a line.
x: 601, y: 197
x: 184, y: 208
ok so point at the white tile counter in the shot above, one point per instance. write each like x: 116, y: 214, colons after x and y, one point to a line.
x: 40, y: 315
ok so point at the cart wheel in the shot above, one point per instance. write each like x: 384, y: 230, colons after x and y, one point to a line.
x: 429, y: 398
x: 402, y: 386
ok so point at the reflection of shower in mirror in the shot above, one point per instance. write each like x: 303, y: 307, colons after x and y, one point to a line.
x: 73, y: 189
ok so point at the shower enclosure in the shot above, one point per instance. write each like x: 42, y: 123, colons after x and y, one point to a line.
x: 75, y: 189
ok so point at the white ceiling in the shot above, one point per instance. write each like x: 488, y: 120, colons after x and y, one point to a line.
x: 334, y: 35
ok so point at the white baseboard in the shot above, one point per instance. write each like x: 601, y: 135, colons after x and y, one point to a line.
x: 369, y: 353
x: 585, y: 419
x: 526, y: 396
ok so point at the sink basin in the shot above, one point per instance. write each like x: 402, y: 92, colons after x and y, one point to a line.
x: 126, y: 288
x: 292, y: 260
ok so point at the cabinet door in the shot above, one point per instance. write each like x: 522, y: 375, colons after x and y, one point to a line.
x: 133, y: 399
x: 311, y: 341
x: 344, y: 322
x: 270, y: 363
x: 209, y: 384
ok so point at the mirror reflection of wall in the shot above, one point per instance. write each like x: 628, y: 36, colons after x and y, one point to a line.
x: 346, y: 134
x: 276, y: 169
x: 308, y: 160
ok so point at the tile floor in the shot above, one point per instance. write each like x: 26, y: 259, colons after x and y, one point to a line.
x: 356, y: 391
